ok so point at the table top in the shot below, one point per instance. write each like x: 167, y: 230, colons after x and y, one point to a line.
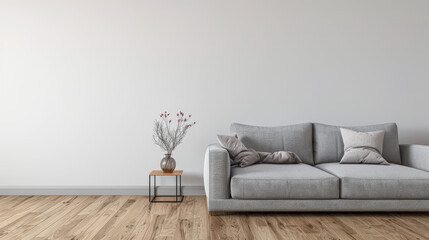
x: 161, y: 173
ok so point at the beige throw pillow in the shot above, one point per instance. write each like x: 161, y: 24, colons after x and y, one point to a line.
x: 363, y: 147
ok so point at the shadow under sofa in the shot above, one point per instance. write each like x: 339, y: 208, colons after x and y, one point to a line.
x: 320, y: 183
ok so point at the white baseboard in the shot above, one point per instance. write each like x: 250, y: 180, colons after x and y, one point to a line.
x: 143, y: 190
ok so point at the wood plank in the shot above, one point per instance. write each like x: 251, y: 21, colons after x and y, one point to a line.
x: 132, y: 217
x: 362, y: 228
x: 12, y: 208
x: 100, y: 219
x: 28, y: 226
x: 142, y: 225
x: 259, y: 226
x: 54, y: 231
x: 29, y: 217
x: 5, y: 200
x: 96, y: 219
x: 65, y: 209
x: 161, y: 173
x: 171, y: 219
x: 388, y: 231
x: 218, y: 228
x: 287, y: 223
x: 337, y: 227
x: 116, y: 219
x: 19, y: 210
x: 201, y: 219
x: 62, y: 230
x: 185, y: 223
x: 126, y: 225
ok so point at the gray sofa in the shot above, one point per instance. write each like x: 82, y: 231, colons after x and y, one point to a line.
x: 320, y: 183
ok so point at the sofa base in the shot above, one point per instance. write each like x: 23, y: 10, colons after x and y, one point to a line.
x: 330, y: 205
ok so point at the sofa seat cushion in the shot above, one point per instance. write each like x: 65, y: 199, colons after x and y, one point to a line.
x: 283, y: 181
x: 366, y: 181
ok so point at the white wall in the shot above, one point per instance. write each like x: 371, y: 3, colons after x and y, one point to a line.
x: 82, y: 81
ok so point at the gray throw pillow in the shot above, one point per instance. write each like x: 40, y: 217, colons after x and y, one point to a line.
x: 244, y: 157
x: 247, y: 158
x: 363, y: 147
x: 232, y: 144
x: 280, y: 157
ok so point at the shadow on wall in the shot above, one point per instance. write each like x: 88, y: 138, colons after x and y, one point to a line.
x: 414, y: 136
x: 190, y: 177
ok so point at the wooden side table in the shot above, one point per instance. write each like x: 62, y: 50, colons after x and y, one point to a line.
x: 179, y: 194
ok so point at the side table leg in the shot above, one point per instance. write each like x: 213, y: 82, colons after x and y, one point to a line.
x: 180, y: 188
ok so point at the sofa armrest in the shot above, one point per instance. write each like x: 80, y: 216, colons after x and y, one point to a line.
x: 415, y: 156
x: 216, y: 172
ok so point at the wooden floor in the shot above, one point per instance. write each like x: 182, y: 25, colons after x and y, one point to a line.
x: 132, y: 217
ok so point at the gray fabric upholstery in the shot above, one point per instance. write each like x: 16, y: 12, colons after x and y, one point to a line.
x: 365, y: 181
x: 283, y: 181
x: 294, y: 138
x: 363, y: 187
x: 331, y: 205
x: 328, y: 144
x: 217, y: 172
x: 416, y: 156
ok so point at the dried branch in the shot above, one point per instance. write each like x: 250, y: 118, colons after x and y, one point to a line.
x: 167, y: 137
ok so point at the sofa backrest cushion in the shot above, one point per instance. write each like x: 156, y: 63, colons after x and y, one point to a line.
x: 328, y: 144
x: 294, y: 138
